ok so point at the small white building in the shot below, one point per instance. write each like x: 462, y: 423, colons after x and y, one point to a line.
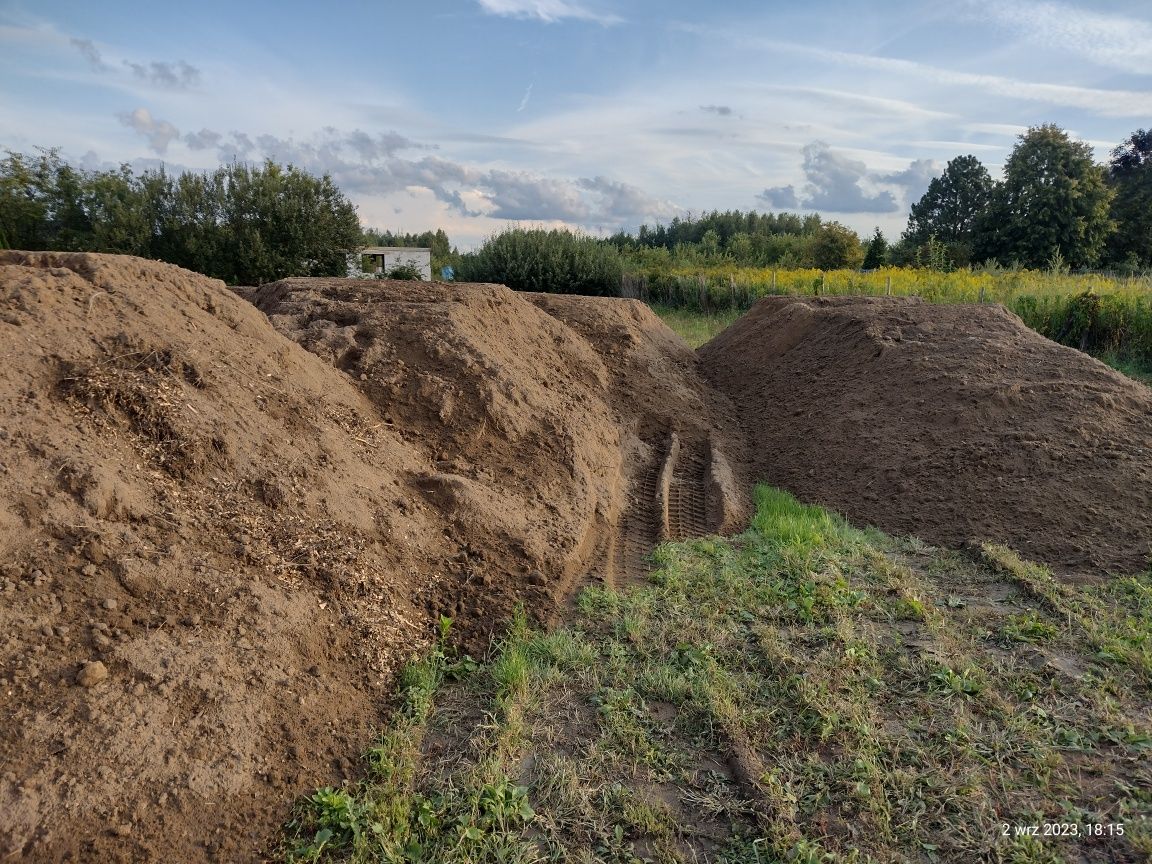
x: 381, y: 260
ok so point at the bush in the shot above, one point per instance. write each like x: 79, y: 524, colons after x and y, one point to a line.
x: 556, y: 262
x: 407, y: 272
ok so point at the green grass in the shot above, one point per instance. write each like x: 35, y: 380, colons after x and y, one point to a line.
x: 1141, y: 370
x: 695, y: 327
x: 805, y: 692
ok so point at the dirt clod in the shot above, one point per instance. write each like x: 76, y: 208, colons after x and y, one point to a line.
x: 92, y: 673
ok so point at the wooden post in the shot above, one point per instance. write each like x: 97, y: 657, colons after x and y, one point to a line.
x: 822, y: 290
x: 773, y: 281
x: 888, y: 287
x: 981, y: 293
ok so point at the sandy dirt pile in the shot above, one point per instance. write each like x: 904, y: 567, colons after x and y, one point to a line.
x: 946, y: 422
x: 541, y: 414
x: 216, y: 546
x: 211, y: 564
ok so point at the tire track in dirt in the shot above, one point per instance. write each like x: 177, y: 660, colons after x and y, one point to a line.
x: 687, y: 512
x: 639, y: 531
x: 669, y: 503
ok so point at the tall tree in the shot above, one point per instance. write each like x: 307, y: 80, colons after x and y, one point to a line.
x: 950, y: 208
x: 1130, y: 175
x: 877, y: 254
x: 1052, y: 206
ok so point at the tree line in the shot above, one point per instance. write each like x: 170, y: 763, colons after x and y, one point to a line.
x: 1054, y: 208
x: 244, y: 224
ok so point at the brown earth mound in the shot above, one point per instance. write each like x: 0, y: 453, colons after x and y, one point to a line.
x: 217, y: 547
x: 548, y: 418
x: 945, y: 422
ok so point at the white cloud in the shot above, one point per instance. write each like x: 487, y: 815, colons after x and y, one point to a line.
x: 371, y: 165
x: 836, y: 184
x: 158, y: 133
x: 623, y: 203
x: 205, y: 139
x: 527, y: 96
x: 1116, y: 41
x: 915, y: 178
x: 1098, y: 101
x: 1108, y: 103
x: 547, y: 10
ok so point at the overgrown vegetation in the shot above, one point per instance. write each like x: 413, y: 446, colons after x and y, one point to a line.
x: 534, y: 259
x: 806, y: 692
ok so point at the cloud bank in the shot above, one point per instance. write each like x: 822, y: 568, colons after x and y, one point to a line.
x: 838, y: 184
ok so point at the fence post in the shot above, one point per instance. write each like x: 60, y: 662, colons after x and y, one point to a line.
x: 821, y: 289
x: 981, y: 293
x: 773, y: 281
x: 888, y: 287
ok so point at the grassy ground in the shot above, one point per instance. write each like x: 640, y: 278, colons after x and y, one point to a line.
x: 805, y: 692
x: 694, y: 327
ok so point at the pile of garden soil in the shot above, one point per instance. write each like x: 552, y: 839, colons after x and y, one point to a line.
x: 950, y: 423
x: 216, y: 547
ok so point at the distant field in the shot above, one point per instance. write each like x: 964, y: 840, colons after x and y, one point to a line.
x: 806, y: 692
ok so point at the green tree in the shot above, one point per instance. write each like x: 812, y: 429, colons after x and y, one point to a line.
x: 1052, y: 205
x: 949, y: 210
x: 835, y: 247
x: 1130, y: 175
x: 42, y: 203
x: 125, y: 210
x: 23, y: 210
x: 556, y: 261
x: 243, y: 224
x: 741, y: 248
x: 877, y: 254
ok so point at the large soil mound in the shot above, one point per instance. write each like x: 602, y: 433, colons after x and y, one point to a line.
x: 562, y: 428
x: 946, y: 422
x: 217, y: 546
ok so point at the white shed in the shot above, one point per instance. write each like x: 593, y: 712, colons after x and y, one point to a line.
x: 383, y: 259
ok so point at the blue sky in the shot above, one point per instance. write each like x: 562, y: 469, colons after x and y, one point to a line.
x: 474, y: 114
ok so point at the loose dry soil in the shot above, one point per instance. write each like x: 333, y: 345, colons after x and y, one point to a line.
x: 950, y: 423
x: 217, y: 545
x: 226, y: 518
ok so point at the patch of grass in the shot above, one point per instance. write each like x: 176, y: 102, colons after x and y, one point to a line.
x: 694, y: 327
x: 1141, y: 370
x: 805, y: 692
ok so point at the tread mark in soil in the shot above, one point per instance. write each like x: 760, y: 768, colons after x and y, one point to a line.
x: 639, y: 531
x: 687, y: 513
